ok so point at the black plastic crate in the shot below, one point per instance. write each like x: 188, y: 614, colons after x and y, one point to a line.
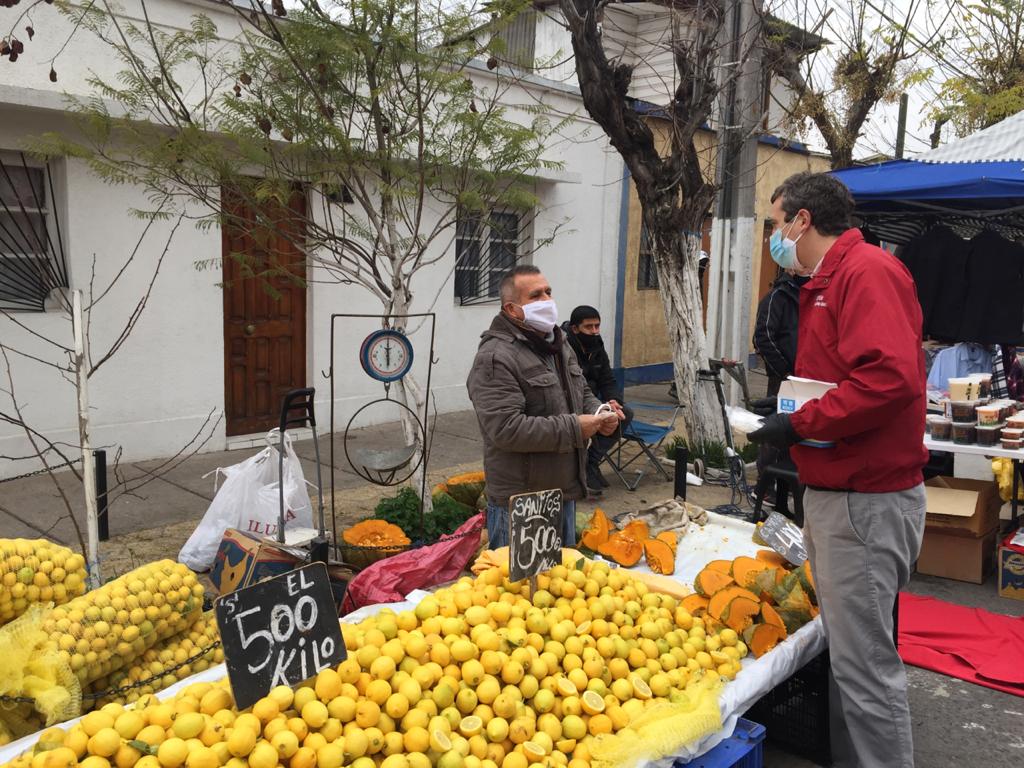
x: 796, y: 712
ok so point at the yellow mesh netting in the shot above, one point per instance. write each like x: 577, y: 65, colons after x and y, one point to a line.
x: 663, y: 728
x: 37, y: 571
x: 29, y: 671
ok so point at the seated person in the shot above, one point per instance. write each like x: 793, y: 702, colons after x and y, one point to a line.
x: 583, y: 332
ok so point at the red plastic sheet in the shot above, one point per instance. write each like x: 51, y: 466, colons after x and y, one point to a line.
x: 391, y: 579
x: 971, y: 644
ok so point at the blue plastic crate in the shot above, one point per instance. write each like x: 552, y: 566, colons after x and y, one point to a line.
x: 744, y: 749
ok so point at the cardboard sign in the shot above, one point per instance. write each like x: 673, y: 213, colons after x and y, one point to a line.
x: 535, y: 541
x: 782, y: 535
x: 279, y: 632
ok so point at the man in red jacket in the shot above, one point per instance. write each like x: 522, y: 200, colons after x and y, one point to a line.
x: 860, y: 327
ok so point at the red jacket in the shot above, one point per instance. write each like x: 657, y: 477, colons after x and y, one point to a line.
x: 860, y: 327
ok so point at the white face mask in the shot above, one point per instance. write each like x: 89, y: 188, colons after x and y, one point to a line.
x: 541, y: 315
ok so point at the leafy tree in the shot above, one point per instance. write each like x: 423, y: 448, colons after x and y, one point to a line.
x: 983, y: 65
x: 382, y: 110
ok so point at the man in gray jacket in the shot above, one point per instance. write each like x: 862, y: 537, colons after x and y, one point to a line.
x: 535, y: 410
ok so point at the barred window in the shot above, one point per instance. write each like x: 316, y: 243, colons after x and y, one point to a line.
x: 647, y: 275
x: 31, y: 255
x: 486, y: 247
x: 520, y: 38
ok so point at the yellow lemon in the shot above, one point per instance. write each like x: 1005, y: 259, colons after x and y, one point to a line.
x: 470, y: 726
x: 173, y: 752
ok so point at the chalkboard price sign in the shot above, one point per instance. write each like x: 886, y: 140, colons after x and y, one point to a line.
x: 535, y: 541
x: 782, y: 535
x: 279, y: 632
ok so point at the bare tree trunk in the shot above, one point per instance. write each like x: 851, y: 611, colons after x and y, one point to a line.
x: 679, y: 281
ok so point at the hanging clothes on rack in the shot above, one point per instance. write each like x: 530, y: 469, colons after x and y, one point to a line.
x: 1000, y: 387
x: 993, y: 308
x: 937, y: 261
x: 959, y: 360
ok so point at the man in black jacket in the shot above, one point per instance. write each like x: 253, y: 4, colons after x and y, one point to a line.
x: 583, y: 332
x: 775, y: 329
x: 775, y: 332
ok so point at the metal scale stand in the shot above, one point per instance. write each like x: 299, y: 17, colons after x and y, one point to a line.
x: 297, y: 410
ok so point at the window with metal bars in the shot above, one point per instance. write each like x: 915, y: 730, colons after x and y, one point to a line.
x: 32, y: 261
x: 520, y: 39
x: 486, y: 247
x: 647, y: 274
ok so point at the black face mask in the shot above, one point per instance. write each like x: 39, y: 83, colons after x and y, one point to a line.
x: 589, y: 342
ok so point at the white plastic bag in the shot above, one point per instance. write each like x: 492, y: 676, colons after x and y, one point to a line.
x: 248, y: 500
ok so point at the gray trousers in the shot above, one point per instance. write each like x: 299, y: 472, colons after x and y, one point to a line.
x: 862, y: 547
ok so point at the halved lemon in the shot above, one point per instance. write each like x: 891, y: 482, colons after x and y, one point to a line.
x: 471, y: 726
x: 583, y: 628
x: 534, y: 751
x: 641, y: 690
x: 593, y: 703
x: 440, y: 741
x: 567, y: 687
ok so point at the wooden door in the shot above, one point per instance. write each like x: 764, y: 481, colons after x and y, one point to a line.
x: 264, y: 309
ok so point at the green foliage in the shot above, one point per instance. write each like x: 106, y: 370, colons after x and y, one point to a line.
x: 985, y: 66
x: 712, y: 452
x: 386, y: 100
x: 404, y: 511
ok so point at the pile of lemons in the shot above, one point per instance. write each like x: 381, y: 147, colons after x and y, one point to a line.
x: 108, y: 627
x: 37, y: 571
x: 480, y: 675
x: 158, y: 667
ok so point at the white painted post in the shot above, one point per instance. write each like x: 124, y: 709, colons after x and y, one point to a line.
x: 88, y: 461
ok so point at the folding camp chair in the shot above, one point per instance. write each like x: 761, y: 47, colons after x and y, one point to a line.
x: 647, y: 438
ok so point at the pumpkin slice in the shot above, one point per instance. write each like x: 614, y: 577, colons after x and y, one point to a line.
x: 807, y: 579
x: 661, y: 557
x: 745, y: 570
x: 719, y: 600
x: 638, y: 530
x: 695, y: 605
x: 597, y: 532
x: 770, y: 616
x: 765, y: 583
x: 375, y: 533
x: 712, y: 626
x: 671, y: 538
x: 710, y: 581
x: 724, y: 566
x: 740, y: 613
x: 772, y: 557
x: 623, y: 548
x: 764, y: 637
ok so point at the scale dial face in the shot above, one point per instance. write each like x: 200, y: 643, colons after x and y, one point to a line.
x: 386, y: 355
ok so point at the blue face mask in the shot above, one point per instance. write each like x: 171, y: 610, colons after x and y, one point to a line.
x: 783, y: 249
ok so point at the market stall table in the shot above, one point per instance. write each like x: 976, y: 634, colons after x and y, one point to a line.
x: 994, y: 452
x: 721, y: 538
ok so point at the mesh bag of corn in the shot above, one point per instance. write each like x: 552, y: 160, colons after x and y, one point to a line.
x: 37, y: 571
x: 163, y: 665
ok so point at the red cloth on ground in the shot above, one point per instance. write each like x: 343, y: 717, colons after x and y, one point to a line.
x: 391, y: 579
x: 971, y: 644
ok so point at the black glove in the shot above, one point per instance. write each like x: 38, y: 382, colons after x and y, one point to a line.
x: 764, y: 406
x: 776, y: 431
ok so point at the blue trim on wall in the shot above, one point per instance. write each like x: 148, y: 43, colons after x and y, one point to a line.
x: 647, y: 374
x: 620, y: 282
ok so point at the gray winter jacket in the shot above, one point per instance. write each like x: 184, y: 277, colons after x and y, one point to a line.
x: 532, y: 439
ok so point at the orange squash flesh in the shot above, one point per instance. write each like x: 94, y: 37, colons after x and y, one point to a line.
x: 719, y: 600
x: 661, y: 557
x: 597, y: 532
x: 710, y: 581
x: 695, y: 605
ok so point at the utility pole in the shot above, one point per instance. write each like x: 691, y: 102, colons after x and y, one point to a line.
x: 901, y: 127
x: 734, y: 229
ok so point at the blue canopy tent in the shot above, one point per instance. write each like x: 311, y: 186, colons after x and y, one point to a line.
x: 970, y: 184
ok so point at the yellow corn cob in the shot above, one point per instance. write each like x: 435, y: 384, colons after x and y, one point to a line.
x: 37, y: 571
x: 109, y: 627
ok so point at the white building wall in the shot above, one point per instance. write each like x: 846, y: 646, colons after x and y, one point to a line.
x: 154, y: 394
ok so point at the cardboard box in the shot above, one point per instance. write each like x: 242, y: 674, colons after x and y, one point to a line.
x: 955, y: 556
x: 796, y: 392
x: 961, y: 506
x: 244, y: 559
x: 1011, y: 570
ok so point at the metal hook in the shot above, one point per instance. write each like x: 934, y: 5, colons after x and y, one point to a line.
x: 327, y: 373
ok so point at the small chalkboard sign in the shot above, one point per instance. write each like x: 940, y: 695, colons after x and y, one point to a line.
x: 535, y: 541
x: 279, y: 632
x: 782, y: 535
